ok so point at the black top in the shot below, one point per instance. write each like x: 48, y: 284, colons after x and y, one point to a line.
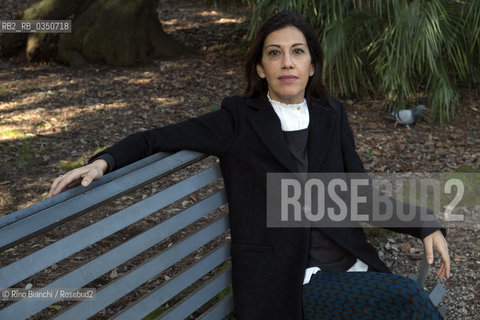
x: 297, y: 144
x: 323, y: 252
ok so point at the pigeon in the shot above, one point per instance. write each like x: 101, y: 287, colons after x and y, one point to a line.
x: 405, y: 116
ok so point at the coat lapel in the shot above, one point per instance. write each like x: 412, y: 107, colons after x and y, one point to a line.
x: 268, y: 127
x: 265, y: 121
x: 322, y: 120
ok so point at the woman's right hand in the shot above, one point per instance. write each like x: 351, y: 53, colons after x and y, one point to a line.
x: 84, y: 175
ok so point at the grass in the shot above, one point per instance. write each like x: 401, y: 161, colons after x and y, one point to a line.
x: 25, y: 155
x: 173, y: 301
x: 70, y: 165
x: 378, y: 235
x: 99, y: 147
x: 187, y: 291
x: 456, y: 191
x: 39, y: 125
x: 470, y: 178
x: 368, y: 154
x: 465, y: 168
x: 12, y: 134
x: 214, y: 107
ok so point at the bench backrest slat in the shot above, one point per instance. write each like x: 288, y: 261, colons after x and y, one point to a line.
x: 115, y: 257
x: 220, y: 310
x: 22, y: 225
x: 90, y: 198
x: 146, y: 271
x: 198, y: 298
x: 175, y: 285
x: 64, y: 248
x: 68, y: 194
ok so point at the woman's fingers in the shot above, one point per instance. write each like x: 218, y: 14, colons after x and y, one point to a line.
x: 55, y: 183
x: 442, y: 272
x: 89, y: 177
x: 84, y: 175
x: 437, y: 240
x: 428, y: 242
x: 62, y: 182
x: 441, y: 245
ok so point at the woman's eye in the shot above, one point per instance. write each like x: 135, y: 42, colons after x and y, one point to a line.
x: 298, y: 51
x: 274, y: 53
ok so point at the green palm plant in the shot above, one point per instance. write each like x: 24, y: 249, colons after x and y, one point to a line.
x: 403, y: 50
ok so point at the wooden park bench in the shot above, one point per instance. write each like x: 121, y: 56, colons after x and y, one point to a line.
x: 20, y: 226
x: 187, y: 274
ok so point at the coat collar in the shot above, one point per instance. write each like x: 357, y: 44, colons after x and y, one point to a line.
x: 267, y: 124
x: 320, y: 131
x: 265, y: 121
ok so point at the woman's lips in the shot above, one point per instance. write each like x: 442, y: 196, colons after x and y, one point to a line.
x: 288, y: 78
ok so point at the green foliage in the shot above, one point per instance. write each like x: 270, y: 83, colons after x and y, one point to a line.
x: 70, y: 165
x: 99, y: 148
x: 377, y: 236
x: 401, y: 50
x: 11, y: 133
x: 214, y: 107
x: 25, y: 155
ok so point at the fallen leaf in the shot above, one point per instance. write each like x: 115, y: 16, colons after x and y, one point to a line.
x: 113, y: 274
x: 460, y: 259
x: 55, y: 307
x: 415, y: 250
x: 405, y: 248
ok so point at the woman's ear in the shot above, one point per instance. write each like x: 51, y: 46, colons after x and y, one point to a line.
x: 260, y: 71
x: 312, y: 69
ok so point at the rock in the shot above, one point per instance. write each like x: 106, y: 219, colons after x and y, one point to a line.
x: 405, y: 248
x: 113, y: 274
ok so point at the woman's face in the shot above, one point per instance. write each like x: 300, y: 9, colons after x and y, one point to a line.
x: 286, y: 65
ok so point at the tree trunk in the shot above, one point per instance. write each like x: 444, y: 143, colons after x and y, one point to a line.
x: 117, y: 32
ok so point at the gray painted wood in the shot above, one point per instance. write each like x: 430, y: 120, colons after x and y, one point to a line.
x: 220, y: 310
x: 443, y: 310
x: 68, y: 194
x: 423, y: 271
x: 89, y: 198
x: 115, y: 257
x: 437, y: 293
x: 22, y: 225
x: 145, y: 272
x: 199, y: 297
x: 61, y: 249
x: 175, y: 285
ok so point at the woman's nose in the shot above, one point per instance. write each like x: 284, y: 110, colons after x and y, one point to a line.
x: 287, y: 61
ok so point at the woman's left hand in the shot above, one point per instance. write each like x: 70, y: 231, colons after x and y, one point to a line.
x: 438, y: 241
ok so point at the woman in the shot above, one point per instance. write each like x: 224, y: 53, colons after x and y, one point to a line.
x: 285, y: 123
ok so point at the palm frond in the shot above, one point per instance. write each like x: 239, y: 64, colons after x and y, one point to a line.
x: 400, y: 49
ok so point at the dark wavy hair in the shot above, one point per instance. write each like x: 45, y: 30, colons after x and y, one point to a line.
x: 256, y: 85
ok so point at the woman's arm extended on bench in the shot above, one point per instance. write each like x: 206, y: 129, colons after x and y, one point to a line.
x: 84, y: 175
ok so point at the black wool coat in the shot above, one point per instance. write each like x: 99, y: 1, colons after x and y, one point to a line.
x: 268, y: 263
